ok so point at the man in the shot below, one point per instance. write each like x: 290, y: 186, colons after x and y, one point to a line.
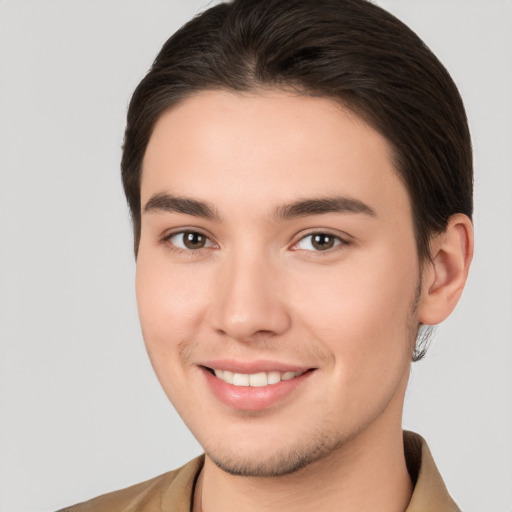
x: 300, y: 181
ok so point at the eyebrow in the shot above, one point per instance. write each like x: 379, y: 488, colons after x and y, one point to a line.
x: 306, y: 207
x: 173, y: 204
x: 302, y: 208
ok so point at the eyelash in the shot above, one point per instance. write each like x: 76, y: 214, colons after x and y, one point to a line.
x: 337, y: 240
x: 187, y: 250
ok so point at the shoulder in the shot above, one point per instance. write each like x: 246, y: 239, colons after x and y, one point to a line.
x: 175, y: 487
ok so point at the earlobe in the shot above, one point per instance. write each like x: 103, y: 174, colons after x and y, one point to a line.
x: 445, y: 275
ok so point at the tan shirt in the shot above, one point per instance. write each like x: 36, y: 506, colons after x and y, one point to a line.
x: 173, y: 491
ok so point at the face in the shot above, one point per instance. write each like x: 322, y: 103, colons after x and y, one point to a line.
x: 277, y: 276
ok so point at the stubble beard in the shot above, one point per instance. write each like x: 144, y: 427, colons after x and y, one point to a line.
x: 284, y: 461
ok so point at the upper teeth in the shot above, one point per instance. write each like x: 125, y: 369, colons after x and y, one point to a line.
x: 254, y: 379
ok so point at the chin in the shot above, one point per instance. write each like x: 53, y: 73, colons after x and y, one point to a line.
x: 281, y: 461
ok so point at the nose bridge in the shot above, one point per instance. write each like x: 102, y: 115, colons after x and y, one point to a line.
x: 249, y: 300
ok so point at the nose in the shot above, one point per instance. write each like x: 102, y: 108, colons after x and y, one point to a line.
x: 250, y: 301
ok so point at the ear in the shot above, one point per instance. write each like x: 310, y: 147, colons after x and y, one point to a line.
x: 444, y: 276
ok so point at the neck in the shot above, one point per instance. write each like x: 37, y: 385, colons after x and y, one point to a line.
x: 366, y: 473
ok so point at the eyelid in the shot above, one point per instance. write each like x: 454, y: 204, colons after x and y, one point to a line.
x: 166, y: 239
x: 342, y: 240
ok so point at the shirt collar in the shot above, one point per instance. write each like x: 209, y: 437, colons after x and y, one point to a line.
x: 430, y: 492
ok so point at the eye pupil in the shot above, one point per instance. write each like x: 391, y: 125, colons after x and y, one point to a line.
x: 322, y: 242
x: 194, y: 240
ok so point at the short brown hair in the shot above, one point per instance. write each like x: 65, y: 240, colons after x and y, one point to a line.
x: 349, y: 50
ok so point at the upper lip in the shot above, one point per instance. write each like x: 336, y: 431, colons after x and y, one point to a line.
x: 251, y: 367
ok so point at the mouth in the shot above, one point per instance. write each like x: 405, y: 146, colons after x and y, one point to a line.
x: 255, y: 380
x: 255, y: 387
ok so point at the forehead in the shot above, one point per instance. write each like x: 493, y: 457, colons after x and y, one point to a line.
x: 272, y: 145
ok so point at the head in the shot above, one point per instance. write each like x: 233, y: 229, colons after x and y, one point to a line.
x: 335, y: 68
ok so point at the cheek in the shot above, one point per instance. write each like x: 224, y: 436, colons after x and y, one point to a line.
x: 171, y: 306
x: 362, y: 318
x: 170, y: 302
x: 361, y: 311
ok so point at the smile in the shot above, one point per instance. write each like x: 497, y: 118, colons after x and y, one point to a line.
x: 256, y: 380
x: 255, y: 385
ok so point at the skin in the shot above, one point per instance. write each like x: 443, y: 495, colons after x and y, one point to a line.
x: 258, y: 290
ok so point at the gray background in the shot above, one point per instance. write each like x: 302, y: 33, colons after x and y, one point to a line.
x: 81, y: 412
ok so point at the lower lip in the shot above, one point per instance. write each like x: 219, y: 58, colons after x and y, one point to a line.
x: 253, y: 398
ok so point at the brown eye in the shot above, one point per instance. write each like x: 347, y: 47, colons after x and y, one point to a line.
x: 190, y: 240
x: 322, y: 242
x: 319, y: 242
x: 194, y: 240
